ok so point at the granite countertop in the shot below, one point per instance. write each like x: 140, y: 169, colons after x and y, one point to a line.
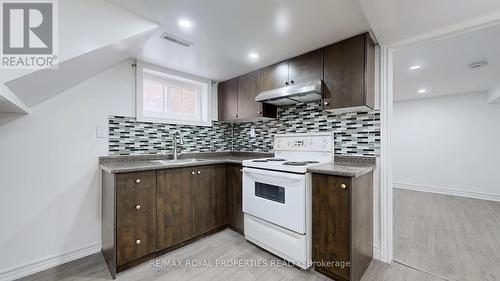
x: 136, y: 163
x: 347, y: 166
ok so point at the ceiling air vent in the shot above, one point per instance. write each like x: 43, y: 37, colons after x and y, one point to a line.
x: 478, y: 64
x: 174, y: 39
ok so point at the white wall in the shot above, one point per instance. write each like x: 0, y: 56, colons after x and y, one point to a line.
x: 448, y: 144
x: 50, y: 182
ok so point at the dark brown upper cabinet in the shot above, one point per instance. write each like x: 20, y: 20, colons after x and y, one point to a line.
x: 228, y: 100
x: 306, y: 67
x: 303, y: 68
x: 349, y: 74
x: 248, y: 89
x: 274, y: 76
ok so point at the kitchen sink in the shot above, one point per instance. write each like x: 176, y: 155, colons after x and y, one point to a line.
x: 178, y: 161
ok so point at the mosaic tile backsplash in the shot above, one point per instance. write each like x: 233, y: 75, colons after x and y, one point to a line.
x: 356, y: 133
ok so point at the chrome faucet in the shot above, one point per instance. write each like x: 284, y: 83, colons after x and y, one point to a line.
x: 176, y: 154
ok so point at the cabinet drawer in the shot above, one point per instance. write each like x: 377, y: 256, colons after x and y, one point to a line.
x: 134, y: 181
x: 136, y: 206
x: 135, y: 241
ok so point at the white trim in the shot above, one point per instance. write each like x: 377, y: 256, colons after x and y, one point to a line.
x: 387, y: 96
x: 46, y: 263
x: 376, y: 252
x: 449, y: 191
x: 386, y: 193
x: 208, y: 97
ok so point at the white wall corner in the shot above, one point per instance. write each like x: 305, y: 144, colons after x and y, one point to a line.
x: 386, y: 191
x: 494, y: 94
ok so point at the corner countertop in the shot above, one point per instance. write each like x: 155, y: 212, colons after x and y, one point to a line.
x: 136, y: 163
x: 345, y: 166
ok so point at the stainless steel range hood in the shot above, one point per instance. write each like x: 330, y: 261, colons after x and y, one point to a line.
x: 293, y: 94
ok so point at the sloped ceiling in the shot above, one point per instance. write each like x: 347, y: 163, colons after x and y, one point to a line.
x: 93, y: 36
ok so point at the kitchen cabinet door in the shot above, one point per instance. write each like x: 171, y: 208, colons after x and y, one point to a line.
x: 306, y: 67
x: 175, y: 206
x: 248, y: 89
x: 210, y: 198
x: 349, y: 73
x: 234, y: 198
x: 342, y: 225
x: 228, y: 100
x: 274, y: 76
x: 331, y: 223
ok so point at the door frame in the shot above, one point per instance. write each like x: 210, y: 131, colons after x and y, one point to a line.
x: 386, y: 119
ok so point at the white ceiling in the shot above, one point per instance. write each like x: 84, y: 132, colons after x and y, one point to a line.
x: 396, y: 20
x: 225, y: 31
x: 445, y: 63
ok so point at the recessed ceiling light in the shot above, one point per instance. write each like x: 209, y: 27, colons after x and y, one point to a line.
x: 415, y: 67
x: 253, y: 55
x: 184, y: 23
x: 422, y: 91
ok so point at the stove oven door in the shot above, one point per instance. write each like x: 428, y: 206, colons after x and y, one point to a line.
x: 276, y: 197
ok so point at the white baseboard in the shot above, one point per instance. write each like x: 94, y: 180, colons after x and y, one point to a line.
x: 449, y: 191
x: 43, y: 264
x: 376, y: 253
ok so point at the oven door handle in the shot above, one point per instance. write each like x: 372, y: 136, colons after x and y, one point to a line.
x: 273, y: 178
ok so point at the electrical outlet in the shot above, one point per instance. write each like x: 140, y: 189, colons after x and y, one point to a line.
x: 102, y: 132
x: 252, y: 132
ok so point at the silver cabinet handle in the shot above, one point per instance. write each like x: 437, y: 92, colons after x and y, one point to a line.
x: 326, y: 103
x: 138, y: 181
x: 138, y: 207
x: 258, y: 112
x: 343, y: 186
x: 199, y: 172
x: 193, y: 173
x: 137, y: 242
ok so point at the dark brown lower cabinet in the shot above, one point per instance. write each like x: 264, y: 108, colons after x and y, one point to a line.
x: 128, y: 217
x: 149, y: 213
x: 175, y: 199
x: 234, y: 210
x: 342, y: 226
x: 210, y: 198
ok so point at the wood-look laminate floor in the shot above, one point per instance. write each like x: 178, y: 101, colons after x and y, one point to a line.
x: 452, y: 237
x: 437, y: 238
x: 223, y: 246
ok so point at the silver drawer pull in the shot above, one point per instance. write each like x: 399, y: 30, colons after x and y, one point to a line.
x: 199, y: 172
x: 343, y: 186
x: 137, y: 242
x: 138, y: 181
x: 193, y: 173
x: 138, y: 207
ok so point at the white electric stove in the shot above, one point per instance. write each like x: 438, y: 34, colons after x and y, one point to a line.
x: 277, y: 195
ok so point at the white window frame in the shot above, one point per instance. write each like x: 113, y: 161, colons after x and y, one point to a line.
x: 204, y: 95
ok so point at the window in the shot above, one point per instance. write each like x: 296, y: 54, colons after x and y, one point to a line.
x: 171, y: 98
